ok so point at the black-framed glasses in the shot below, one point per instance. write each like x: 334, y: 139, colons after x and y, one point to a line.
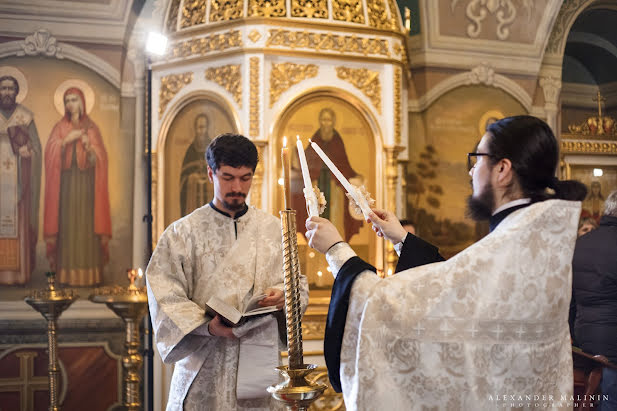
x: 472, y: 159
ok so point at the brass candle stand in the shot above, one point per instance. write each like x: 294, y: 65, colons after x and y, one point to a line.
x: 296, y: 392
x: 130, y: 304
x: 51, y: 302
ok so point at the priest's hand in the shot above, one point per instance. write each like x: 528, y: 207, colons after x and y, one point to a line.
x: 218, y: 329
x: 387, y: 225
x: 321, y: 234
x: 274, y: 296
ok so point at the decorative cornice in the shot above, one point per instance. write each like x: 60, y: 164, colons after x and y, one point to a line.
x: 170, y: 86
x: 229, y: 78
x: 205, y: 45
x: 588, y: 147
x: 285, y: 75
x: 397, y: 105
x: 567, y: 13
x: 41, y: 42
x: 254, y: 97
x: 482, y: 74
x: 364, y: 80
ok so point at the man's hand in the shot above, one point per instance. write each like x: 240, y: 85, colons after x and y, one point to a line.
x: 321, y: 234
x: 274, y: 296
x: 217, y: 328
x: 386, y: 225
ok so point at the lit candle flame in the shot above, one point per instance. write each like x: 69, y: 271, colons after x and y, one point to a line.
x: 284, y: 141
x: 140, y: 273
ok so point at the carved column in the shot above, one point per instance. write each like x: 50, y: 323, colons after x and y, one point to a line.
x: 258, y: 177
x: 391, y: 180
x: 552, y: 89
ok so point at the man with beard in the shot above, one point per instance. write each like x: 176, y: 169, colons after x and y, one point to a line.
x: 228, y: 250
x: 486, y: 329
x: 195, y: 189
x: 20, y: 181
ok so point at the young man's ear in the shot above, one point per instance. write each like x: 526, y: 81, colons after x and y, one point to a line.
x: 504, y: 171
x: 210, y: 174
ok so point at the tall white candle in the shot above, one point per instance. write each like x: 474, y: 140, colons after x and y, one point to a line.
x: 303, y: 165
x: 339, y: 176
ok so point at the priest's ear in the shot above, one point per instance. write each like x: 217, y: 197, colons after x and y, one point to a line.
x: 504, y: 173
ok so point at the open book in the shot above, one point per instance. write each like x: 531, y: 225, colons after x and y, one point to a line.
x: 231, y: 316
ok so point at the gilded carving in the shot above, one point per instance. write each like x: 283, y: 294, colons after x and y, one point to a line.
x: 391, y: 183
x: 504, y: 11
x: 254, y: 35
x: 377, y: 14
x: 193, y: 13
x: 328, y: 42
x: 170, y: 86
x: 313, y: 330
x: 267, y: 8
x: 588, y: 147
x: 258, y: 177
x: 221, y: 10
x: 205, y: 45
x: 229, y: 78
x: 330, y: 400
x: 350, y: 11
x: 365, y: 80
x: 394, y: 24
x: 172, y: 16
x: 568, y: 9
x: 285, y: 75
x: 313, y: 9
x: 254, y: 97
x: 397, y: 105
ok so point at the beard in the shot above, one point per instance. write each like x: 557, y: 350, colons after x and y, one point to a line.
x: 7, y: 102
x: 236, y: 201
x: 481, y: 208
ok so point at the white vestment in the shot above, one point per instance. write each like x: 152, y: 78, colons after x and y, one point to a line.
x: 485, y: 330
x: 201, y: 255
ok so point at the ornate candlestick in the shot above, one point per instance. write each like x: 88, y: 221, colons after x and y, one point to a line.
x: 296, y: 392
x: 130, y: 304
x: 51, y: 302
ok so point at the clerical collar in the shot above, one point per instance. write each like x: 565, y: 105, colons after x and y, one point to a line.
x: 502, y: 212
x: 238, y: 215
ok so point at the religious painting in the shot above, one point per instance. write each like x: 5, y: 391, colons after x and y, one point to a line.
x: 20, y: 180
x: 187, y: 186
x: 344, y: 134
x: 438, y: 181
x: 598, y: 187
x: 77, y: 218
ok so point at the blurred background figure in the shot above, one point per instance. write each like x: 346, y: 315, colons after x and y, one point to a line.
x: 585, y: 225
x: 408, y: 226
x: 593, y: 310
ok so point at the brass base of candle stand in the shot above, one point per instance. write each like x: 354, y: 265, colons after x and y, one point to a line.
x: 296, y: 392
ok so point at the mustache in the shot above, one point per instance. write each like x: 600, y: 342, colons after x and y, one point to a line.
x: 235, y: 194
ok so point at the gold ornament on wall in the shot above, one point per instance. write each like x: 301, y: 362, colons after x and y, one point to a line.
x: 378, y: 14
x: 600, y: 126
x: 267, y: 8
x: 588, y: 147
x: 205, y: 45
x: 172, y: 17
x: 328, y: 42
x: 254, y: 97
x: 394, y: 24
x: 365, y: 80
x: 254, y: 36
x: 222, y: 10
x: 193, y: 13
x: 397, y: 105
x: 350, y: 11
x: 229, y: 78
x: 170, y: 86
x: 315, y: 9
x: 285, y: 75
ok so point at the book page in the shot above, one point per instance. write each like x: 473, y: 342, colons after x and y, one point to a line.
x: 217, y: 306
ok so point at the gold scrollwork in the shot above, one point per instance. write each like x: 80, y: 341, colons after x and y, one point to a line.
x: 285, y: 75
x: 313, y: 330
x: 588, y: 147
x: 193, y: 13
x: 313, y: 9
x: 330, y: 400
x: 221, y: 10
x: 267, y: 8
x: 397, y: 105
x: 172, y: 17
x: 229, y: 78
x: 328, y: 42
x: 170, y: 86
x: 394, y: 22
x: 377, y: 14
x: 365, y: 80
x: 204, y: 45
x: 348, y: 10
x: 254, y: 97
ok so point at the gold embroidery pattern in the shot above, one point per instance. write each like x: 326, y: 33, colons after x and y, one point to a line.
x: 170, y: 86
x: 397, y: 105
x: 205, y: 45
x: 267, y: 8
x: 221, y: 10
x: 328, y: 42
x: 229, y: 78
x: 285, y: 75
x: 193, y: 13
x: 254, y: 97
x: 350, y: 11
x: 377, y: 14
x: 172, y: 17
x: 316, y: 9
x: 365, y: 80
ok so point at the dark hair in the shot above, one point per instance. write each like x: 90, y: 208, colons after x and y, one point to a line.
x: 233, y: 150
x: 14, y: 80
x: 406, y: 222
x: 531, y: 147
